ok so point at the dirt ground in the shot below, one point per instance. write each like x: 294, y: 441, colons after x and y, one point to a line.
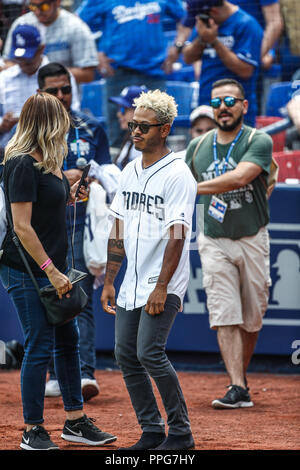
x: 272, y: 424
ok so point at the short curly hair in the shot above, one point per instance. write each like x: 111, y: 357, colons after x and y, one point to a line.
x: 160, y: 102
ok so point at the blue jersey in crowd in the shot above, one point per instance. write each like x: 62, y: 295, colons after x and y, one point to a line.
x: 132, y: 31
x: 86, y: 139
x: 254, y: 8
x: 242, y: 35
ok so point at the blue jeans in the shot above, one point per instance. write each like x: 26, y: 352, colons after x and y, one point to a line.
x: 86, y: 321
x: 40, y: 341
x: 114, y: 85
x: 140, y: 353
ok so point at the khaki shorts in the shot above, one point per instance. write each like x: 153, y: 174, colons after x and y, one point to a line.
x: 236, y: 278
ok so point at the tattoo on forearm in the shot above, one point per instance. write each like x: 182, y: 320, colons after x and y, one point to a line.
x: 115, y: 257
x: 113, y: 243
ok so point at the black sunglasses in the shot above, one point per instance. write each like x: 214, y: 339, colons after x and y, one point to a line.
x: 66, y: 90
x: 144, y: 128
x: 229, y: 101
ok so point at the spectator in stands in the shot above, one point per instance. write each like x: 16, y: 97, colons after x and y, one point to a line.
x: 19, y: 82
x: 229, y: 46
x: 125, y: 114
x: 132, y: 48
x: 268, y: 15
x: 202, y: 120
x: 67, y: 38
x: 86, y: 140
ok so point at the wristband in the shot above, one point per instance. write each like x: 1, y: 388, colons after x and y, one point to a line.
x: 46, y: 264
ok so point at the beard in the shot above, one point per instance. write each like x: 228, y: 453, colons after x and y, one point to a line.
x: 230, y: 127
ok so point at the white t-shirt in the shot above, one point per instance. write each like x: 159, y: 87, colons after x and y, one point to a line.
x: 16, y: 87
x: 150, y: 201
x: 68, y: 39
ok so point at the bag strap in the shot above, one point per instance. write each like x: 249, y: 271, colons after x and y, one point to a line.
x: 194, y: 171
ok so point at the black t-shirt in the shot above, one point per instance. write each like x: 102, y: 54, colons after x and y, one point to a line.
x: 24, y: 182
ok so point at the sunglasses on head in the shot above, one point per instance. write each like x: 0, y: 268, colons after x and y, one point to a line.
x: 44, y: 6
x: 229, y: 101
x: 144, y: 128
x: 66, y: 90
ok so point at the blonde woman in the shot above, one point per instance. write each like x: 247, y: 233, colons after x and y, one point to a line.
x: 38, y: 192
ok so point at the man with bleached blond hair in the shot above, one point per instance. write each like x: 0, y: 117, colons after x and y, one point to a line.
x: 153, y: 210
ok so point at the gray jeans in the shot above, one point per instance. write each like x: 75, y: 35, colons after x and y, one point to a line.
x: 140, y: 352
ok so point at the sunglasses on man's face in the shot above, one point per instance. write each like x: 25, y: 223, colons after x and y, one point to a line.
x: 144, y: 127
x: 229, y: 101
x: 44, y: 6
x: 66, y: 90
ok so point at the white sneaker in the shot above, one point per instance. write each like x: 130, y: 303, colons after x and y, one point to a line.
x: 52, y: 389
x: 89, y: 388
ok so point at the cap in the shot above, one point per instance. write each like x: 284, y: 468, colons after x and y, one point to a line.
x: 201, y: 111
x: 25, y: 41
x: 194, y: 7
x: 127, y: 95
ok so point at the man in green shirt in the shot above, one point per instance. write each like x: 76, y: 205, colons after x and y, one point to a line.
x: 231, y: 165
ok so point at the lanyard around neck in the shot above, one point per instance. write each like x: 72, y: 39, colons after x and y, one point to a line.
x: 228, y: 153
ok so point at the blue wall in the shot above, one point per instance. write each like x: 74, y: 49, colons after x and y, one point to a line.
x: 191, y: 330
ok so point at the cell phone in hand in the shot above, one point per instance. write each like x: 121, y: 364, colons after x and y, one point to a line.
x: 205, y: 18
x: 82, y: 181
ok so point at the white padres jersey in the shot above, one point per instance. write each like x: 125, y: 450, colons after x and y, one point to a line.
x: 149, y: 201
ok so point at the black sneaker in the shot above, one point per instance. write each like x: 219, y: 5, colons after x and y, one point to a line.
x: 83, y: 431
x: 37, y: 439
x: 180, y: 442
x: 148, y: 440
x: 236, y: 397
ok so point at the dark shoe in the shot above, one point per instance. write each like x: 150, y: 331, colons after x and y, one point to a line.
x: 83, y: 431
x: 172, y: 442
x: 148, y: 440
x: 236, y: 397
x: 37, y: 439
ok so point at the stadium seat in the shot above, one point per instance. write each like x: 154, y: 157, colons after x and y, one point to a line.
x: 92, y: 98
x: 289, y: 165
x: 186, y: 97
x: 278, y: 139
x: 278, y: 96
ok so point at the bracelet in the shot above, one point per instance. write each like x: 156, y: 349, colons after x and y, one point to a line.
x: 46, y: 264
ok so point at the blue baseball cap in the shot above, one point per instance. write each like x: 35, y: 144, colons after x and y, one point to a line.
x: 127, y: 95
x: 194, y: 7
x: 26, y: 40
